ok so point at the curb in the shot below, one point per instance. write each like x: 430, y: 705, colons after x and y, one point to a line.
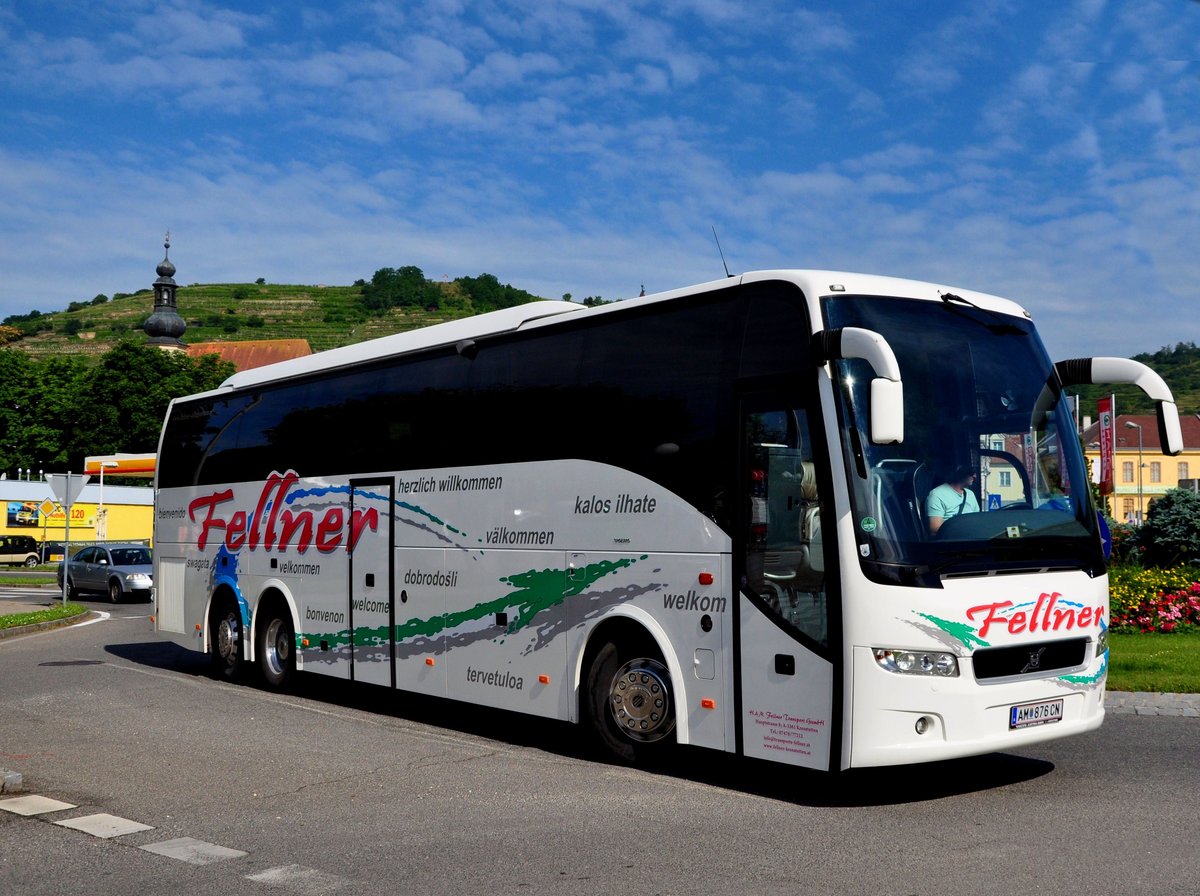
x: 1152, y: 704
x: 34, y: 627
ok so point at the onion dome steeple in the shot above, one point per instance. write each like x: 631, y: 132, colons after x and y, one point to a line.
x: 165, y: 326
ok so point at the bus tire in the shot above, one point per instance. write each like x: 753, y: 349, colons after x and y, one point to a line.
x: 277, y: 648
x: 630, y: 704
x: 225, y: 624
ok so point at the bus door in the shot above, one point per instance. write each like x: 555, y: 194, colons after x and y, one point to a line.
x: 787, y: 673
x: 372, y: 607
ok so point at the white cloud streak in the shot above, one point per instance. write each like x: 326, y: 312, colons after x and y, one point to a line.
x: 581, y: 146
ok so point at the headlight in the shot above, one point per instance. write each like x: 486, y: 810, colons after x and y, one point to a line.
x: 1102, y: 643
x: 911, y: 662
x: 138, y: 580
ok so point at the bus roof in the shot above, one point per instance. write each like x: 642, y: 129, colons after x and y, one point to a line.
x: 813, y: 283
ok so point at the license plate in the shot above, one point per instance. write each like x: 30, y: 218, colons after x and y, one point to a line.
x: 1027, y: 715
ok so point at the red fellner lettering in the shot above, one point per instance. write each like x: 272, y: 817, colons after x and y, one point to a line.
x: 281, y: 526
x: 1046, y: 616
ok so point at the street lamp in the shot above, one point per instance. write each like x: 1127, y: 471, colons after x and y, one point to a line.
x: 1129, y: 424
x: 101, y: 522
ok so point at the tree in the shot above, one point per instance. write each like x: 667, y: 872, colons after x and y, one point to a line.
x: 1171, y: 534
x: 43, y: 401
x: 56, y: 412
x: 128, y: 393
x: 396, y: 287
x: 487, y: 293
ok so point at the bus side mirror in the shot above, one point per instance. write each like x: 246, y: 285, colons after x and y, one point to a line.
x: 887, y: 411
x: 1123, y: 371
x: 887, y: 389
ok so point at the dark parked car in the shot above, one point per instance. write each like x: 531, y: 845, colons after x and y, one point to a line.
x: 51, y: 551
x: 18, y: 550
x: 113, y: 569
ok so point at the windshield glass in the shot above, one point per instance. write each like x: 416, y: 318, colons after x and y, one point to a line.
x: 131, y: 557
x: 990, y: 477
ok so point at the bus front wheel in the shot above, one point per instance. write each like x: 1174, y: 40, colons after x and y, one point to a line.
x: 277, y: 649
x: 630, y: 701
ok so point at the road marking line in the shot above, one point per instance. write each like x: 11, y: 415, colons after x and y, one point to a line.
x: 103, y: 825
x: 103, y: 617
x: 33, y: 805
x: 299, y: 879
x: 192, y: 851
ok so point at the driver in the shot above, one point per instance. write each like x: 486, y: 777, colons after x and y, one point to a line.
x: 951, y: 498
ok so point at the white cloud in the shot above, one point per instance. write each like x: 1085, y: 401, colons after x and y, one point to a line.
x: 588, y: 146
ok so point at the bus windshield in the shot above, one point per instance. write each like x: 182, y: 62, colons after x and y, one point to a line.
x: 990, y: 477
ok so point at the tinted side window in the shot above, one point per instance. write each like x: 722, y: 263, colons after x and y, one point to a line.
x: 523, y: 403
x: 778, y: 335
x: 653, y: 394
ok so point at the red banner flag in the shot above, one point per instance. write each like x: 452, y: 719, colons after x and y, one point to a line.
x: 1107, y: 408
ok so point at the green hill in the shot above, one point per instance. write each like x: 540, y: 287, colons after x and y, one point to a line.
x: 1178, y: 365
x: 326, y: 316
x: 332, y: 316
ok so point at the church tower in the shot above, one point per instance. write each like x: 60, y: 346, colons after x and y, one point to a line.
x: 165, y: 326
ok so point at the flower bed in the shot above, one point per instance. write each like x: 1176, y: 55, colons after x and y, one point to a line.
x: 1153, y: 600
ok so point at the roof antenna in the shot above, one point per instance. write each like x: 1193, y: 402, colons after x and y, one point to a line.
x: 714, y: 230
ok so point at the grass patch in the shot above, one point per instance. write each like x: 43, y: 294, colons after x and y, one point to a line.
x: 50, y: 614
x: 32, y: 578
x: 1154, y: 662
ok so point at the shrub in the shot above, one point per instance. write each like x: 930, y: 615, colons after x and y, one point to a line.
x: 1171, y: 534
x: 1125, y: 547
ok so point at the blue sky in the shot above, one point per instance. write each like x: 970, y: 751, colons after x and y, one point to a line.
x: 1045, y: 151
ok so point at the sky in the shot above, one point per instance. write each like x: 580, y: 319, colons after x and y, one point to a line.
x: 1046, y: 151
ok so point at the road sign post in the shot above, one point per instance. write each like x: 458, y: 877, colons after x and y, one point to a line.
x: 66, y: 487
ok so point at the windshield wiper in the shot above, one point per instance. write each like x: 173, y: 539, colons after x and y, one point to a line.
x: 999, y: 329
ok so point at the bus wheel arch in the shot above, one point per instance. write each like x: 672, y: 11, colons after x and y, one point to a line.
x: 275, y: 639
x: 627, y: 696
x: 225, y: 634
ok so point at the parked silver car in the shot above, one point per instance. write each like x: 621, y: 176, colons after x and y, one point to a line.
x: 113, y: 569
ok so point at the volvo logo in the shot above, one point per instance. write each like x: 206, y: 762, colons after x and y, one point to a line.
x: 1035, y: 660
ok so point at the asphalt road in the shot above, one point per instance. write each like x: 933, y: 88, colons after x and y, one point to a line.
x: 335, y: 791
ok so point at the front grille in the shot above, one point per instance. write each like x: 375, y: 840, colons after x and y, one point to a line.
x: 1033, y: 660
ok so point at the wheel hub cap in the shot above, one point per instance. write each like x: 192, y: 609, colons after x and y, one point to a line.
x: 640, y: 700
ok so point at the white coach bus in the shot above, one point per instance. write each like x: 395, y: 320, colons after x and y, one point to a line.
x: 699, y: 517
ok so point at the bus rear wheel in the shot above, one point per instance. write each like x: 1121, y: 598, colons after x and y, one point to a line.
x: 277, y: 649
x: 226, y: 628
x: 630, y: 701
